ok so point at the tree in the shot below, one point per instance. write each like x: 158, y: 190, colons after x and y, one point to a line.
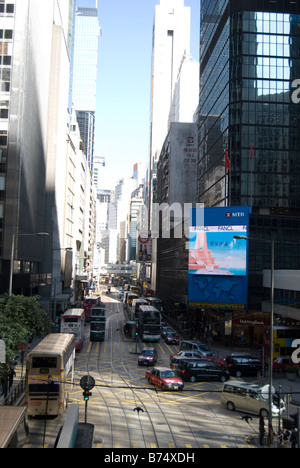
x: 20, y: 318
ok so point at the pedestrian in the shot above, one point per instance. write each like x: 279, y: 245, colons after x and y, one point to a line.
x: 280, y: 439
x: 11, y: 375
x: 294, y: 437
x: 2, y: 385
x: 261, y: 430
x: 286, y: 438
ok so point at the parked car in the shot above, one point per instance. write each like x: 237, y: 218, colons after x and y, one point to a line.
x: 164, y: 378
x: 194, y: 369
x: 189, y: 345
x: 223, y: 362
x: 171, y: 337
x: 281, y: 364
x: 175, y: 358
x: 148, y: 357
x: 242, y: 364
x: 250, y: 399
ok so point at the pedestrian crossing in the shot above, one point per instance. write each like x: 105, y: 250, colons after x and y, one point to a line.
x: 106, y: 347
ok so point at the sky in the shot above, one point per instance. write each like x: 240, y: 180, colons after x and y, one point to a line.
x: 124, y: 81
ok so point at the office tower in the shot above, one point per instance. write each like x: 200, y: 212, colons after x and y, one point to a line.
x: 171, y: 42
x: 34, y: 65
x: 84, y: 71
x: 249, y: 57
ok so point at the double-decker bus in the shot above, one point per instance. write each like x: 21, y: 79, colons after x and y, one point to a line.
x: 283, y: 338
x: 88, y: 303
x: 72, y: 321
x: 155, y: 302
x: 13, y: 427
x: 149, y: 320
x: 97, y: 326
x: 47, y: 368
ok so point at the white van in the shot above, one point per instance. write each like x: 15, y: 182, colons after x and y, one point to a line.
x: 249, y: 398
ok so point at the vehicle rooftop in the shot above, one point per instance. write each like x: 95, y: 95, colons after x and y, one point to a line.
x: 163, y: 368
x: 243, y: 384
x: 73, y: 312
x: 52, y: 344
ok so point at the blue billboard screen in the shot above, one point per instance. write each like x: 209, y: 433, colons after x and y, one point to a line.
x: 214, y: 251
x: 218, y: 263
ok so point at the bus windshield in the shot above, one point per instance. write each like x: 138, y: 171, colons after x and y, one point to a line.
x: 152, y: 317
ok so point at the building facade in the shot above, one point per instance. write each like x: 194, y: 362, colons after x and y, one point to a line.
x: 35, y: 63
x: 84, y: 74
x: 171, y: 42
x: 249, y: 59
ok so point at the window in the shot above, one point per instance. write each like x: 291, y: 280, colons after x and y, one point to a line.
x: 8, y: 34
x: 10, y: 8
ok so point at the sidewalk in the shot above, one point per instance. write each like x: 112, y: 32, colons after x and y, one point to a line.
x: 16, y: 393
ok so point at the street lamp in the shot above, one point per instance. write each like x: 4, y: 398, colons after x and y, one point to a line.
x: 271, y: 242
x: 12, y: 255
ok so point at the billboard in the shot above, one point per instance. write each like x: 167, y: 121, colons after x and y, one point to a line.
x: 218, y: 263
x: 144, y: 246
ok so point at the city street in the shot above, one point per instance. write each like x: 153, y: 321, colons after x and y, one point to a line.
x: 128, y: 412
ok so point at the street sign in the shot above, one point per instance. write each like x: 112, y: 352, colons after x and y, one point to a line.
x: 87, y: 382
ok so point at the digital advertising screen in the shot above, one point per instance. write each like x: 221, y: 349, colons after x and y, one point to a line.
x: 218, y: 263
x: 214, y: 251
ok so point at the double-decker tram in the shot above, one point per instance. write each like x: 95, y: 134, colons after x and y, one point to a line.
x: 155, y: 302
x: 149, y: 320
x: 48, y: 366
x: 97, y: 325
x: 88, y: 303
x: 72, y: 321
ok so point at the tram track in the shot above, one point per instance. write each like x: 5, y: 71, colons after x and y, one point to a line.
x: 154, y: 427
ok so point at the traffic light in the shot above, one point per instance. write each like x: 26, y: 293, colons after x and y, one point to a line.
x: 86, y: 395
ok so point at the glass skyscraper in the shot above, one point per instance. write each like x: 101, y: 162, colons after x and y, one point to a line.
x: 250, y: 55
x: 84, y: 72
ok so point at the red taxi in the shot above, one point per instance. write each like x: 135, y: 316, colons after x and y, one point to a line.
x: 164, y: 378
x: 282, y: 364
x: 171, y: 337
